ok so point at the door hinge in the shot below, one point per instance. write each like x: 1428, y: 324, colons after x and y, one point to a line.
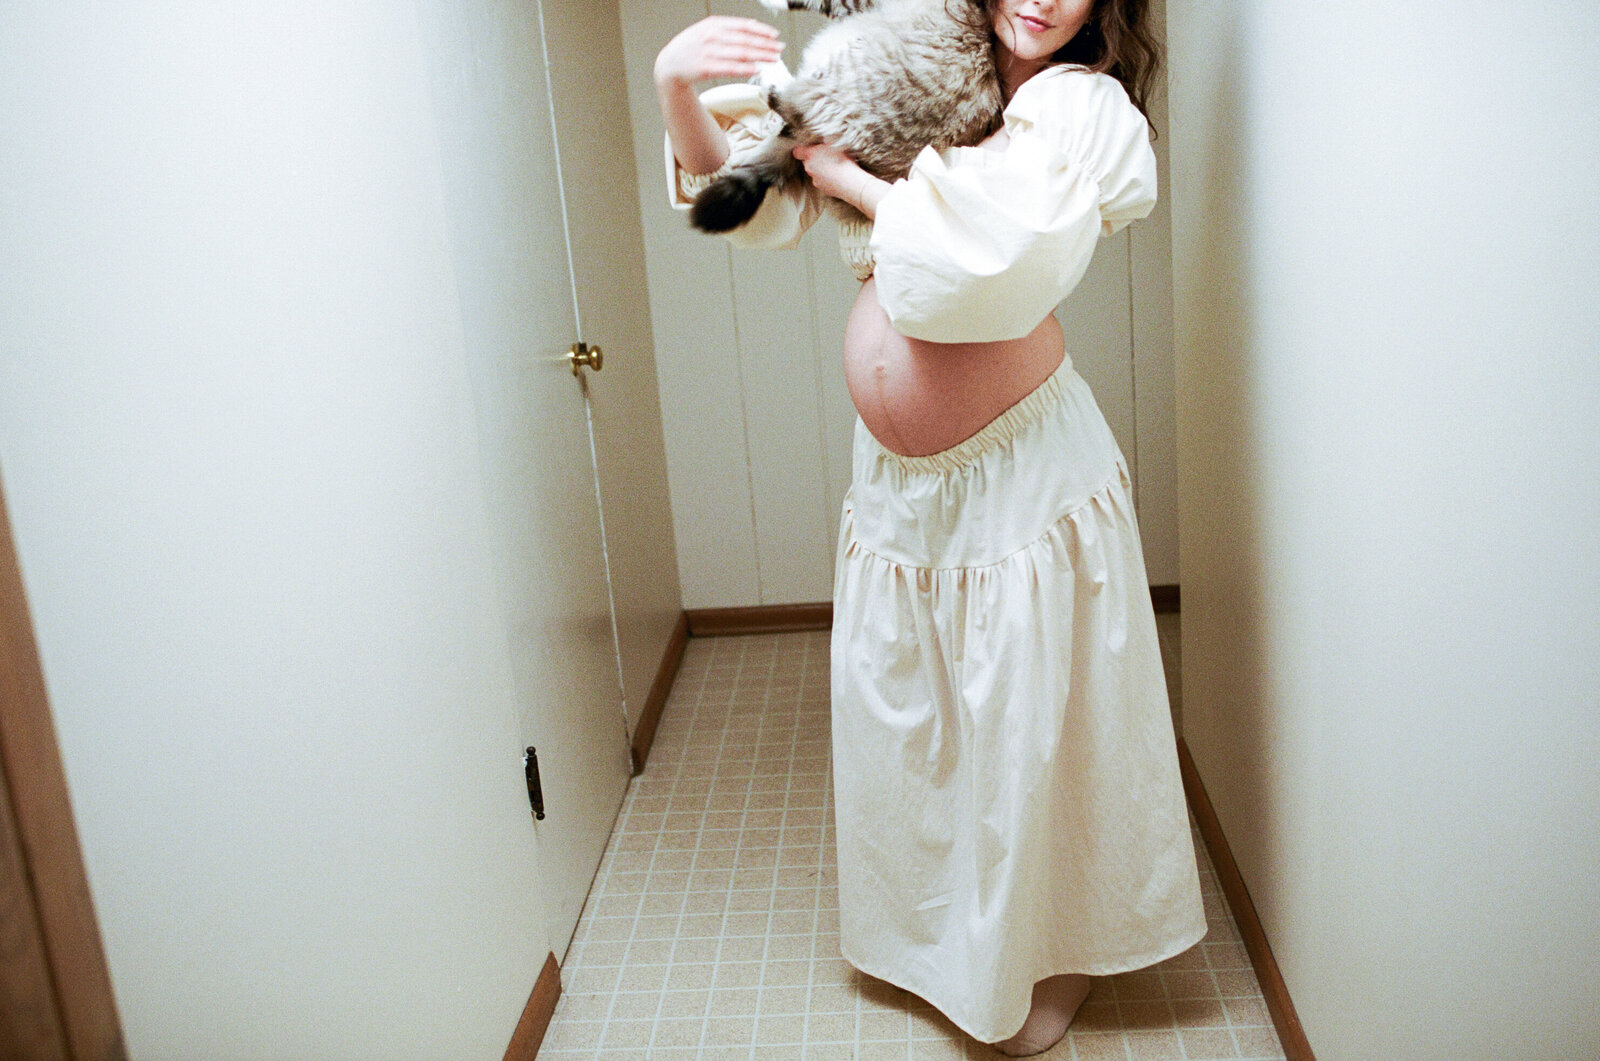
x: 530, y: 769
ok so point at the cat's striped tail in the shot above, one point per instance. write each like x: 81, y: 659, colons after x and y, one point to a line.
x: 733, y: 198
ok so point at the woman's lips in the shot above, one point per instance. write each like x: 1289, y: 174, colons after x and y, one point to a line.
x: 1037, y: 25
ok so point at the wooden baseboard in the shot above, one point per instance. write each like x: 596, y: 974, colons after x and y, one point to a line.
x: 644, y: 735
x: 763, y: 619
x: 783, y: 618
x: 536, y: 1014
x: 1293, y: 1037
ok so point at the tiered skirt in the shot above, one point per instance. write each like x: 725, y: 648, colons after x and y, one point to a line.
x: 1008, y: 799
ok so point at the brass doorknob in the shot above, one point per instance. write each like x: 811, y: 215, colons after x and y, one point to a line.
x: 582, y: 356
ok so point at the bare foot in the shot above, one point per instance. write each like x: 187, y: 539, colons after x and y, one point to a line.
x: 1055, y: 1002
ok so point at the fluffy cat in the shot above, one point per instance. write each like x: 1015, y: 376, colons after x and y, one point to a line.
x: 885, y: 80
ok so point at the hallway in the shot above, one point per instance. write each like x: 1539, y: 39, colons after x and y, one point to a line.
x: 712, y: 928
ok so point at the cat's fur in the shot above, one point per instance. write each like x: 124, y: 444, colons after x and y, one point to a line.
x: 885, y: 80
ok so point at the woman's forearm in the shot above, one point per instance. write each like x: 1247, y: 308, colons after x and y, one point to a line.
x: 714, y: 47
x: 835, y: 173
x: 698, y: 142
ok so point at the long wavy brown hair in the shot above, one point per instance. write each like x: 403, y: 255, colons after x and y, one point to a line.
x: 1117, y: 40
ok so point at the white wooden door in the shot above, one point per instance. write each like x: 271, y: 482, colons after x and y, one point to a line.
x: 510, y: 253
x: 594, y: 132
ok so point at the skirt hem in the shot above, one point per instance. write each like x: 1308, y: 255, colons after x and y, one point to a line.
x: 1112, y: 968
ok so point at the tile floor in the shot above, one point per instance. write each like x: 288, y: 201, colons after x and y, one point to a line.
x: 712, y: 928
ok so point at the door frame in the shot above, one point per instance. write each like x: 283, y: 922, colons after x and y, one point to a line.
x: 55, y: 989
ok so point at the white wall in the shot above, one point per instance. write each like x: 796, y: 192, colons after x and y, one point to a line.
x: 1387, y: 261
x: 756, y: 416
x: 238, y: 443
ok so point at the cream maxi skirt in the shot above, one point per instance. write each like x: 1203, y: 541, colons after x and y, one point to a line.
x: 1008, y: 798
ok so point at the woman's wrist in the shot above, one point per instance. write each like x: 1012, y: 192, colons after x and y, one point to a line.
x: 869, y: 194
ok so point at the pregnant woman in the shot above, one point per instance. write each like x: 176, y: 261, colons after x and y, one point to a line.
x: 1010, y: 817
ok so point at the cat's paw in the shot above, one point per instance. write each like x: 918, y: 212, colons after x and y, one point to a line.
x: 773, y: 76
x: 775, y: 5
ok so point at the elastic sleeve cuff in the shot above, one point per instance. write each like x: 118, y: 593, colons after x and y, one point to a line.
x: 783, y: 217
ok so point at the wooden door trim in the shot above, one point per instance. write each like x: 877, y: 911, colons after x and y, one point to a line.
x: 30, y: 1018
x: 1292, y: 1036
x: 529, y: 1034
x: 52, y: 862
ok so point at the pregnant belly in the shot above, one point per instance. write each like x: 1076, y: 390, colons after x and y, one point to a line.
x: 918, y: 397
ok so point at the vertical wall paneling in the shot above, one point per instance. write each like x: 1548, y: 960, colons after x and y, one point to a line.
x: 835, y: 288
x: 697, y: 364
x: 779, y: 373
x: 776, y: 307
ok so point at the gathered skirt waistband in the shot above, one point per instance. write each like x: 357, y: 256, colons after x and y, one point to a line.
x: 983, y: 499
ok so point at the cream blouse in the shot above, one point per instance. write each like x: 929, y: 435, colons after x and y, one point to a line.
x: 974, y: 244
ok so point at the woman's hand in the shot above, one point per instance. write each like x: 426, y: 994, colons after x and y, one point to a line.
x: 835, y: 173
x: 719, y: 46
x: 713, y: 47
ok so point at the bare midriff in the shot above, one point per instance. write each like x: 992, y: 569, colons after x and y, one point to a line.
x: 918, y: 397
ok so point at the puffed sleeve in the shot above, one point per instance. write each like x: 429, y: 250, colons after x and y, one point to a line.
x: 976, y: 245
x: 783, y: 216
